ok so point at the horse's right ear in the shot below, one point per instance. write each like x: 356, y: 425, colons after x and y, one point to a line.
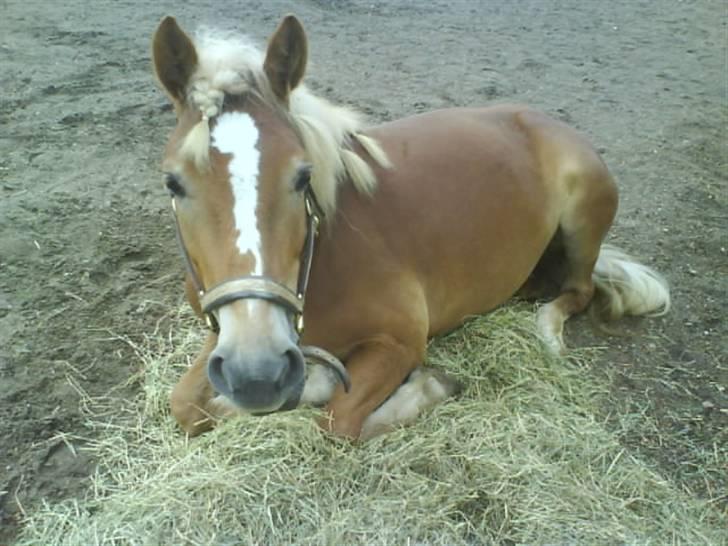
x: 175, y: 58
x: 285, y: 60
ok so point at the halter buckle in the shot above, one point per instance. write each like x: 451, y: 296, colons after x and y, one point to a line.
x: 312, y: 213
x: 211, y: 323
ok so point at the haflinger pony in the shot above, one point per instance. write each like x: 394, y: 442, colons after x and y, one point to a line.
x: 389, y: 234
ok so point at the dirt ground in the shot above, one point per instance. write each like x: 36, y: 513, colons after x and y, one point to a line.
x: 87, y: 251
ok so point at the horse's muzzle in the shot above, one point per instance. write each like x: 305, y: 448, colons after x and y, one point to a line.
x: 258, y: 382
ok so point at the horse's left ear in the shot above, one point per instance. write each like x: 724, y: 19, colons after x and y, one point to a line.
x: 285, y: 60
x: 175, y: 58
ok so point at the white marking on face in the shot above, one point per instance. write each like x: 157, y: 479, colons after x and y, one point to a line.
x: 242, y: 325
x: 235, y: 133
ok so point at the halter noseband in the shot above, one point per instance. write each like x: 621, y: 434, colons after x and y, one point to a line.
x: 261, y: 287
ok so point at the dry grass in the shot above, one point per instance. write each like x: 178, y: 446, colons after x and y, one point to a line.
x: 519, y: 459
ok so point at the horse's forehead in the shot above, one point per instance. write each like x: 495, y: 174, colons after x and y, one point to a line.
x: 256, y: 138
x: 236, y: 133
x: 247, y: 132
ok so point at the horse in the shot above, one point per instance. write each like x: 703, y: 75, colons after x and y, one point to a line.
x: 290, y: 211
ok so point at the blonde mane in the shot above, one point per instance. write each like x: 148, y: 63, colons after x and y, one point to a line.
x: 231, y: 65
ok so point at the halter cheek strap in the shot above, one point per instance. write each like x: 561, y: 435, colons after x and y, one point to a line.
x: 261, y: 287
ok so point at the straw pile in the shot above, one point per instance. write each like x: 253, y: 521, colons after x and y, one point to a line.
x: 519, y: 458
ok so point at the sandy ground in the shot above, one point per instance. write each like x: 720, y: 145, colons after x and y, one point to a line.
x: 87, y: 252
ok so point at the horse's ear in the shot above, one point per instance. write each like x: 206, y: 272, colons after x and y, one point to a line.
x: 175, y: 58
x: 285, y: 60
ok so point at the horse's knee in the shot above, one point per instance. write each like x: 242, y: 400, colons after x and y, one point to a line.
x: 190, y: 398
x: 345, y: 426
x: 187, y: 408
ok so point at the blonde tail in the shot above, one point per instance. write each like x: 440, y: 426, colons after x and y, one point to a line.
x: 627, y: 287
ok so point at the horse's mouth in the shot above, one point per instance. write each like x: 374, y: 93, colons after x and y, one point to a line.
x: 290, y: 404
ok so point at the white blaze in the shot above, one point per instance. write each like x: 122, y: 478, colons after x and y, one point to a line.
x: 235, y: 133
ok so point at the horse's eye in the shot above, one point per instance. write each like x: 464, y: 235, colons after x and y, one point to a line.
x: 173, y: 185
x: 303, y: 178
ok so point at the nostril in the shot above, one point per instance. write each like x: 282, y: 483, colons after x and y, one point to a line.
x: 293, y: 370
x: 285, y: 371
x: 215, y: 369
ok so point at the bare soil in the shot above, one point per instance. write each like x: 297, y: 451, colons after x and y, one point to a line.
x: 87, y: 251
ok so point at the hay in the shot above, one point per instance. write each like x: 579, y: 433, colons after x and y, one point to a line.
x: 519, y: 458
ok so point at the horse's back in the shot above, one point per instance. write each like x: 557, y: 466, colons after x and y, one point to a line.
x: 499, y: 136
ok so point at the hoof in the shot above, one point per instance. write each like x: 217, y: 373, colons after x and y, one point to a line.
x: 450, y: 385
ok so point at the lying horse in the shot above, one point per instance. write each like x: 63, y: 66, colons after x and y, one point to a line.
x: 390, y: 234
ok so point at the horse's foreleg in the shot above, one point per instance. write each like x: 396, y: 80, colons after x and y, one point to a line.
x: 424, y: 389
x: 193, y: 399
x: 376, y: 369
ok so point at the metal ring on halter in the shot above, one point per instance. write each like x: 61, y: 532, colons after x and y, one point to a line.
x: 317, y: 355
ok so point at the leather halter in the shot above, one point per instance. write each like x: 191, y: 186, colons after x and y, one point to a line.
x: 261, y: 287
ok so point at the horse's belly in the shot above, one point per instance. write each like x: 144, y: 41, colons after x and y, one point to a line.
x: 483, y: 268
x: 473, y: 212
